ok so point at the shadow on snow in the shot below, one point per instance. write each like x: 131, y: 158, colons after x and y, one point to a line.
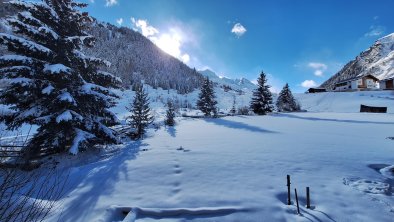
x: 237, y: 125
x: 331, y: 120
x: 171, y: 130
x: 99, y: 177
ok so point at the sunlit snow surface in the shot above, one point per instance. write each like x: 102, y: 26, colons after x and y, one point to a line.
x: 234, y: 168
x: 239, y: 164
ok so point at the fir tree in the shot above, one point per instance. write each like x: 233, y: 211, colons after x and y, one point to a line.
x: 170, y: 114
x: 233, y: 109
x: 140, y: 112
x: 206, y: 99
x: 261, y: 102
x: 286, y: 101
x: 51, y: 83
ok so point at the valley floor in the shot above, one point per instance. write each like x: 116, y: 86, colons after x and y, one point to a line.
x: 234, y: 169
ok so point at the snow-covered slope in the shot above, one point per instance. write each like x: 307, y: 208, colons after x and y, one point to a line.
x: 338, y: 102
x: 240, y: 84
x: 378, y: 61
x: 186, y: 102
x: 345, y: 102
x: 135, y: 58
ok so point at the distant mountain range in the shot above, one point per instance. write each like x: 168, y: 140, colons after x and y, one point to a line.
x: 238, y: 84
x: 378, y: 60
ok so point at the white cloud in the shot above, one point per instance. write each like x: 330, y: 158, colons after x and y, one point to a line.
x: 316, y: 65
x: 309, y: 84
x: 375, y: 31
x: 110, y: 3
x: 144, y: 27
x: 239, y: 30
x: 318, y: 72
x: 185, y: 58
x: 91, y: 1
x: 170, y: 42
x: 319, y: 68
x: 119, y: 21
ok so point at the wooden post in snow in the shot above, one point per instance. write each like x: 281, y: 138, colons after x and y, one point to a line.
x: 288, y: 190
x: 298, y: 206
x: 308, y: 198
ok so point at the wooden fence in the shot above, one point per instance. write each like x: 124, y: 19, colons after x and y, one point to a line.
x: 10, y: 151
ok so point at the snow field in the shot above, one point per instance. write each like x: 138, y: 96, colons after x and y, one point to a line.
x: 234, y: 168
x: 240, y: 163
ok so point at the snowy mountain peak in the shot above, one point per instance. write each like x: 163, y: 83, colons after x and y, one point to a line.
x: 208, y: 73
x: 241, y: 83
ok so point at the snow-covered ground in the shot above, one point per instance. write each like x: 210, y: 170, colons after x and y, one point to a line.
x: 234, y: 169
x: 347, y: 102
x: 339, y: 102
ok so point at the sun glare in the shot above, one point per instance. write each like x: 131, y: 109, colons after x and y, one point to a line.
x: 171, y: 43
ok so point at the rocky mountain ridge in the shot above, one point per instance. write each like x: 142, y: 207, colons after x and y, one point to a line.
x: 377, y: 60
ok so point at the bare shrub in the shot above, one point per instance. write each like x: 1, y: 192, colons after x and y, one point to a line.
x: 29, y: 196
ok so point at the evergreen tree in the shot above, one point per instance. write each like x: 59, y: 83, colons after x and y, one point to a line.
x: 286, y: 101
x: 140, y: 117
x: 51, y: 83
x: 206, y: 99
x: 261, y: 102
x: 170, y: 114
x: 233, y: 109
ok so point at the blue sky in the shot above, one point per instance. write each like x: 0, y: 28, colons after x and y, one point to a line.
x: 302, y: 42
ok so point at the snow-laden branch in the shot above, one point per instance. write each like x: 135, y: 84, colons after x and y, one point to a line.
x: 56, y: 68
x: 80, y: 137
x: 29, y: 45
x: 66, y: 97
x: 47, y: 90
x: 34, y: 6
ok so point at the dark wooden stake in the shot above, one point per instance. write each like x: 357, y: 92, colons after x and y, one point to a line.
x: 298, y: 206
x: 308, y: 199
x: 288, y: 190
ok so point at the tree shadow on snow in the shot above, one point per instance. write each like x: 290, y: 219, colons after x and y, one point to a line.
x: 190, y: 214
x: 331, y: 120
x: 96, y: 179
x: 171, y: 130
x: 237, y: 125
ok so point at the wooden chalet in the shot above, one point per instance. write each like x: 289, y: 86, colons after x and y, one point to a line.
x: 368, y: 82
x: 387, y: 84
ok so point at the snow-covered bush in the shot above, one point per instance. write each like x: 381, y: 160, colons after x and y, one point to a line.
x: 243, y: 110
x: 29, y: 196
